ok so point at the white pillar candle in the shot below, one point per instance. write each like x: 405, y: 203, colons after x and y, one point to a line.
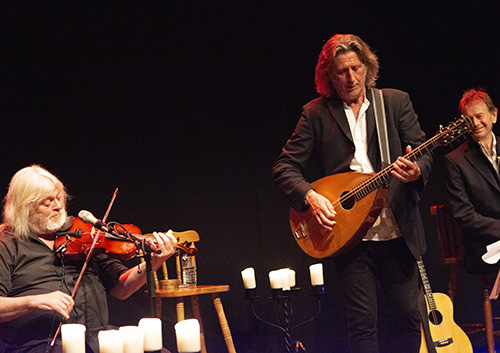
x: 73, y: 338
x: 275, y: 280
x: 110, y: 341
x: 133, y: 339
x: 285, y: 278
x: 187, y: 333
x: 316, y: 274
x: 248, y: 275
x: 151, y: 327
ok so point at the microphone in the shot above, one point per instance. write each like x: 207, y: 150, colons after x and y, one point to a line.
x: 89, y: 218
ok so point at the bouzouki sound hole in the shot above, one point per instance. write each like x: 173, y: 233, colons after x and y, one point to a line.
x: 347, y: 203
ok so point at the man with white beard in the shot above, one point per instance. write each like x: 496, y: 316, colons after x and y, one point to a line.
x: 36, y: 283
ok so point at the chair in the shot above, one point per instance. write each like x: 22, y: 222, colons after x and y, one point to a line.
x: 169, y: 288
x: 450, y: 238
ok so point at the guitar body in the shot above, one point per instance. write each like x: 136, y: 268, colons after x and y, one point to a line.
x: 354, y: 217
x: 446, y: 335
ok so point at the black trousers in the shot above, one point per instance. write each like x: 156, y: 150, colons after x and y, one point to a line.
x: 390, y: 265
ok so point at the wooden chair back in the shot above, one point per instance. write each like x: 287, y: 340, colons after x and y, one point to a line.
x: 185, y: 237
x: 448, y: 233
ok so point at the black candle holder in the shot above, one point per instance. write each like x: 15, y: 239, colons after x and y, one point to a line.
x: 283, y: 300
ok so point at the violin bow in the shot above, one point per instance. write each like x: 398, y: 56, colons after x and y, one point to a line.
x: 87, y: 259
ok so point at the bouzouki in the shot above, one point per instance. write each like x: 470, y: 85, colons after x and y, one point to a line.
x: 357, y: 199
x: 447, y: 336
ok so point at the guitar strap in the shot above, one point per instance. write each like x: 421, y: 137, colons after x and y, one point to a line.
x: 383, y: 140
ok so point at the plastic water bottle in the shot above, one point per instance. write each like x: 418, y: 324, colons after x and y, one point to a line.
x: 188, y: 265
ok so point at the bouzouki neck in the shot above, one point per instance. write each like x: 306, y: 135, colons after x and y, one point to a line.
x: 443, y: 137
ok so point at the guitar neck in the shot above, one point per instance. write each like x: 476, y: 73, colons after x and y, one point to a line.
x: 444, y: 137
x: 385, y: 174
x: 427, y: 286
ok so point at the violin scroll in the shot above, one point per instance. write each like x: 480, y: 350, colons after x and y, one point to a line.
x: 190, y: 250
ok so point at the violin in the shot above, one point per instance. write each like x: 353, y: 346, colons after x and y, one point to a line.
x: 76, y: 241
x: 81, y: 240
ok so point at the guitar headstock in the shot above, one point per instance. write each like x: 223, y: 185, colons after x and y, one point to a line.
x: 454, y: 130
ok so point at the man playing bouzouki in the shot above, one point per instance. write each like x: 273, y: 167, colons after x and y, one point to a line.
x: 338, y: 129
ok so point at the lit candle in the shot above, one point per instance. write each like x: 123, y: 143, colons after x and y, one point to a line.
x: 285, y: 278
x: 187, y: 333
x: 73, y: 338
x: 133, y: 339
x: 275, y: 279
x: 110, y: 341
x: 316, y: 274
x: 248, y: 275
x: 151, y: 327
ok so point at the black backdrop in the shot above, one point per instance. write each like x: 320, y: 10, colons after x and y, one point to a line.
x: 184, y: 106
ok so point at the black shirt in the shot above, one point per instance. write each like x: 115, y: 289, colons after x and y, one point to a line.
x: 31, y: 267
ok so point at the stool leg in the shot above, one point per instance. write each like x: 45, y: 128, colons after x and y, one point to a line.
x: 223, y: 323
x: 195, y: 305
x: 179, y: 309
x: 488, y: 319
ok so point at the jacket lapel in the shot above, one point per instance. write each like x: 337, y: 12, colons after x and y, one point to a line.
x: 478, y: 160
x: 336, y: 108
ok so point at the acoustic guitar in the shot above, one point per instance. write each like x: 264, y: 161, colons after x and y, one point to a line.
x: 447, y: 336
x: 357, y: 199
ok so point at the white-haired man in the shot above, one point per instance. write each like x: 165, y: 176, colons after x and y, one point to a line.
x: 36, y: 284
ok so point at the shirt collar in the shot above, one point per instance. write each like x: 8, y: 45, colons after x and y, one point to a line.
x: 493, y: 147
x: 364, y: 106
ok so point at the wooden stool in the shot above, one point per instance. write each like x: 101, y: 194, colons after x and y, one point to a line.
x: 193, y: 292
x: 169, y: 288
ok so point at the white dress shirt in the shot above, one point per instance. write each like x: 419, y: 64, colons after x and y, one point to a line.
x: 385, y: 226
x: 493, y: 158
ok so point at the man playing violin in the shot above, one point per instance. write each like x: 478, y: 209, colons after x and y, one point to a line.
x: 36, y: 282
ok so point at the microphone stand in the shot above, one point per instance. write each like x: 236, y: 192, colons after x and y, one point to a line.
x: 146, y: 250
x: 114, y: 233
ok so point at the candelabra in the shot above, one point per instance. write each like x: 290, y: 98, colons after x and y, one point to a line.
x: 283, y: 299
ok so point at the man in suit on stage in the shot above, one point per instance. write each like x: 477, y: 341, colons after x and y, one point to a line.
x: 338, y: 129
x: 472, y: 181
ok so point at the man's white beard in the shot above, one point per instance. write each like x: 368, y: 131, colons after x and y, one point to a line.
x: 54, y: 224
x: 48, y: 225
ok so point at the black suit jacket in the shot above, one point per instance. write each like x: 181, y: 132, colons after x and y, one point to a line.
x: 474, y: 196
x: 323, y: 132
